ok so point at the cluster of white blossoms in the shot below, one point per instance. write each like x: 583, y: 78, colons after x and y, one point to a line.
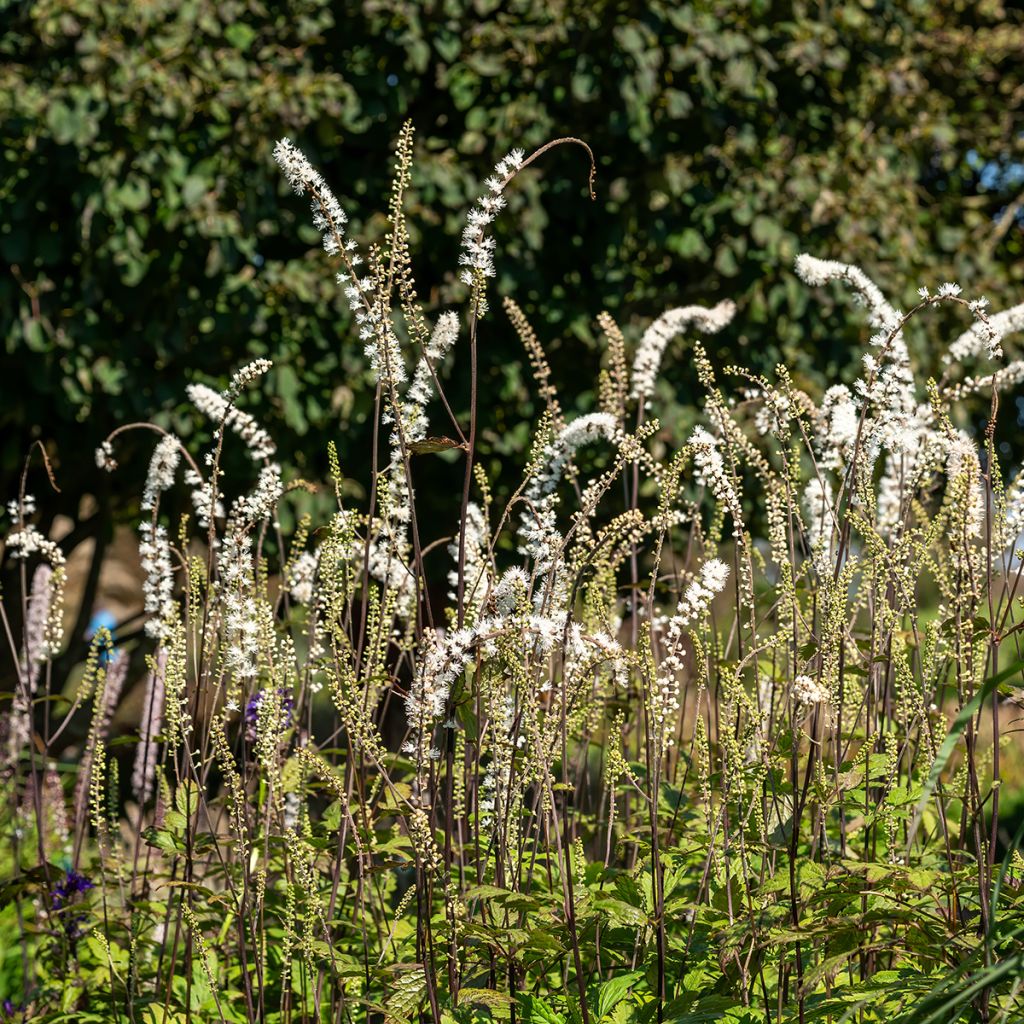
x: 711, y: 472
x: 510, y: 589
x: 538, y: 533
x: 388, y: 565
x: 442, y: 660
x: 651, y: 350
x: 985, y: 335
x: 962, y: 460
x: 817, y: 272
x: 22, y: 544
x: 773, y: 411
x: 421, y: 390
x: 382, y: 347
x: 444, y: 655
x: 888, y: 384
x: 390, y: 551
x: 711, y: 581
x: 205, y: 500
x: 241, y: 631
x: 477, y: 256
x: 301, y: 577
x: 105, y: 457
x: 476, y: 563
x: 206, y: 495
x: 247, y: 374
x: 219, y: 410
x: 818, y: 502
x: 808, y: 691
x: 328, y: 216
x: 887, y: 415
x: 21, y: 508
x: 408, y: 420
x: 838, y: 418
x: 383, y: 351
x: 664, y: 699
x: 259, y: 503
x: 243, y: 614
x: 29, y: 541
x: 158, y: 584
x: 162, y: 466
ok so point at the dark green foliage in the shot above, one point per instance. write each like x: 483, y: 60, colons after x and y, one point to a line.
x: 143, y: 225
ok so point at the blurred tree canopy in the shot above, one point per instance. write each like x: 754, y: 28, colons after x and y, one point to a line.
x: 147, y: 239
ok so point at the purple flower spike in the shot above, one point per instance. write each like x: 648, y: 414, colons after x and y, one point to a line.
x: 73, y: 883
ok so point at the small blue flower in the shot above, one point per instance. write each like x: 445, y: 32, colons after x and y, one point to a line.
x: 73, y: 883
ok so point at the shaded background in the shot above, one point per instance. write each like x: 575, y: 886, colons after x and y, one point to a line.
x: 148, y: 240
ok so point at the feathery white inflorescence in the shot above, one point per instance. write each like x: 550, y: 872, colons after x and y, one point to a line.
x: 538, y: 533
x: 244, y: 616
x: 408, y: 419
x: 899, y: 423
x: 105, y: 457
x: 651, y: 350
x: 207, y: 503
x: 328, y: 216
x: 510, y: 589
x: 382, y: 349
x: 387, y: 565
x: 962, y: 461
x: 477, y: 256
x: 816, y: 272
x: 158, y: 584
x: 162, y: 467
x: 217, y: 408
x: 711, y: 472
x: 713, y: 576
x: 582, y: 430
x: 808, y: 691
x: 1007, y: 376
x: 442, y: 660
x: 838, y: 417
x: 664, y: 700
x: 421, y: 390
x: 247, y: 374
x: 302, y: 577
x: 476, y: 566
x: 29, y: 541
x: 260, y: 503
x: 986, y: 337
x: 818, y: 501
